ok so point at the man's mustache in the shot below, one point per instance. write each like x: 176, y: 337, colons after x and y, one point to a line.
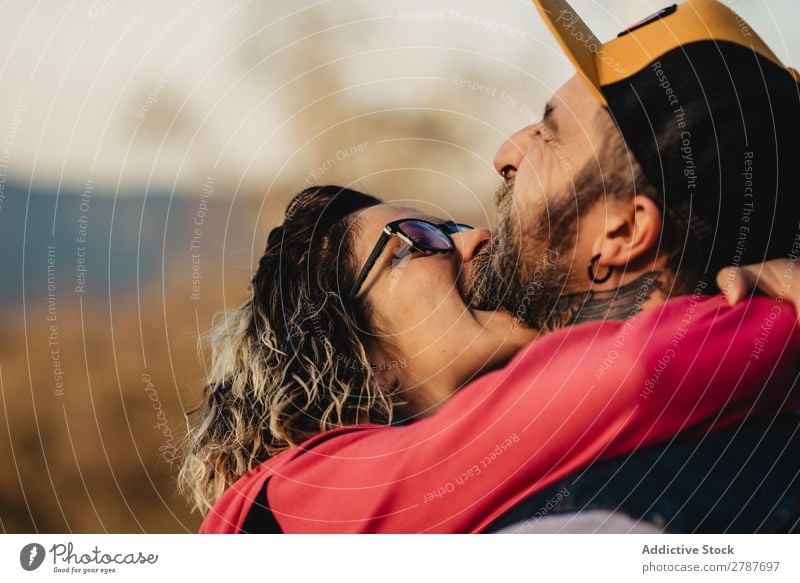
x: 481, y: 288
x: 487, y: 277
x: 504, y: 192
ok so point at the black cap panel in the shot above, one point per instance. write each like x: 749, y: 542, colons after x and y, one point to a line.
x: 716, y: 127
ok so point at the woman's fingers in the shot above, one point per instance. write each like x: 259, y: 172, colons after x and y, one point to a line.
x: 736, y: 282
x: 776, y: 278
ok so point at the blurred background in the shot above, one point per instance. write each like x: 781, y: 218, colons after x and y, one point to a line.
x: 147, y: 148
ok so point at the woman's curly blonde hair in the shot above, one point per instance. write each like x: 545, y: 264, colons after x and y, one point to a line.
x: 291, y: 361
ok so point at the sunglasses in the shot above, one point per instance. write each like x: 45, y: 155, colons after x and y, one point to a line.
x: 422, y: 236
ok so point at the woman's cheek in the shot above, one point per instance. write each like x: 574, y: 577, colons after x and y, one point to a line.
x: 398, y: 276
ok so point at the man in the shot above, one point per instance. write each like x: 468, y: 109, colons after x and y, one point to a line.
x: 680, y: 168
x: 668, y: 155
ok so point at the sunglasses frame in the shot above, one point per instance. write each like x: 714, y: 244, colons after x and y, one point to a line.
x: 395, y: 229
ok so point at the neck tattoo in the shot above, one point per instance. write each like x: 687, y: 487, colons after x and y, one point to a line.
x: 615, y: 304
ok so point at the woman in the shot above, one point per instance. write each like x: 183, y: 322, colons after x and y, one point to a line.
x: 351, y: 334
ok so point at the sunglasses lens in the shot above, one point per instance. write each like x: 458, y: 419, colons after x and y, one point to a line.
x: 452, y: 227
x: 426, y: 237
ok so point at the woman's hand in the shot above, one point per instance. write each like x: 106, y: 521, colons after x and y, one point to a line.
x: 776, y: 278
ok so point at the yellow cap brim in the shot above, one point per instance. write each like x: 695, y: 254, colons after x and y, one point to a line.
x: 601, y: 64
x: 575, y: 37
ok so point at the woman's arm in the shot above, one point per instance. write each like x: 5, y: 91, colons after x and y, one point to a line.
x: 595, y: 390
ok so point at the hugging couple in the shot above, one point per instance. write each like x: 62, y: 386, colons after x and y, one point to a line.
x: 575, y: 370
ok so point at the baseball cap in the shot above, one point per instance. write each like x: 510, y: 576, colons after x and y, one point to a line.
x: 601, y: 64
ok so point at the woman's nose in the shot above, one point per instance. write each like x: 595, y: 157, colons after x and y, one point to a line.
x: 468, y: 243
x: 510, y: 155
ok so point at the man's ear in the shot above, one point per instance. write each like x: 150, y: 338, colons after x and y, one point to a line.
x: 632, y: 231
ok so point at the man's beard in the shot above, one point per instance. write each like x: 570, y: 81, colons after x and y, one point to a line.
x: 523, y: 272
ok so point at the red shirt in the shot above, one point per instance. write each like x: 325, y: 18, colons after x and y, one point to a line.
x: 595, y: 390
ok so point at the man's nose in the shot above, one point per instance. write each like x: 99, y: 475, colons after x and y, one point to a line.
x: 510, y: 155
x: 469, y: 243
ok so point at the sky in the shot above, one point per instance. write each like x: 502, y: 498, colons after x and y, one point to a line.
x: 134, y: 95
